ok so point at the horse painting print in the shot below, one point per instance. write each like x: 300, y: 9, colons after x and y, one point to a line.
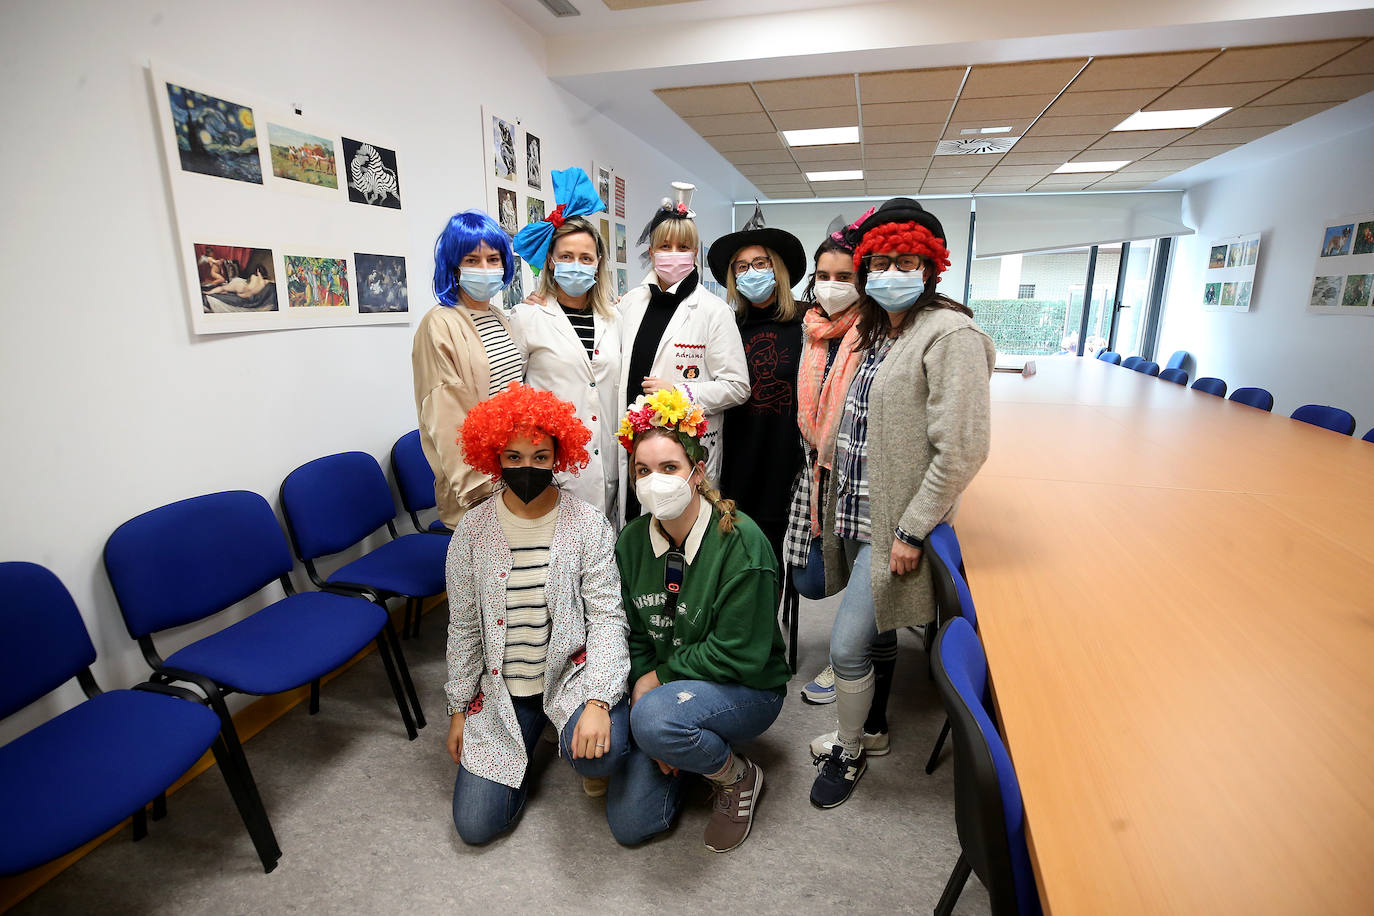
x: 302, y: 157
x: 371, y: 174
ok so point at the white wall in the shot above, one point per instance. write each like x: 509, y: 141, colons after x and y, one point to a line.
x: 111, y: 406
x: 1300, y: 357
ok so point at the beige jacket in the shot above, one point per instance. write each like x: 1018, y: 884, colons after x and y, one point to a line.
x: 929, y: 429
x: 451, y: 377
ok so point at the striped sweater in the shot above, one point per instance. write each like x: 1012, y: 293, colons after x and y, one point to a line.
x: 527, y: 609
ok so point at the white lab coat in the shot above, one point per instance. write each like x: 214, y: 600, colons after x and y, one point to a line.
x: 558, y: 362
x: 700, y: 351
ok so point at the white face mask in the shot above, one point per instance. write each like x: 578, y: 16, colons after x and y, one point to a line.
x: 664, y: 496
x: 835, y: 295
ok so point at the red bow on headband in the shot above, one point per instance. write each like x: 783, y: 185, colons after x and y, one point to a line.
x: 556, y: 217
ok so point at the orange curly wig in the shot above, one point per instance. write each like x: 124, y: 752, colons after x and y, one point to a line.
x: 522, y: 411
x: 904, y: 238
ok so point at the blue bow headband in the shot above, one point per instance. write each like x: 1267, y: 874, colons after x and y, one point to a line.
x: 576, y: 196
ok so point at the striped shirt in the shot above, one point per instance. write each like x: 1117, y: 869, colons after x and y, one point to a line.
x: 583, y: 325
x: 852, y: 516
x: 505, y: 362
x: 527, y: 610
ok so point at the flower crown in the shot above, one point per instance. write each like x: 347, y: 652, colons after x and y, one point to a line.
x: 670, y: 409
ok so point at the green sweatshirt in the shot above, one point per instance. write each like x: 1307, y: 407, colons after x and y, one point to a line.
x: 725, y: 628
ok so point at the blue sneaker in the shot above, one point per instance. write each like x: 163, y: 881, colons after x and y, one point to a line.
x: 839, y: 774
x: 821, y: 689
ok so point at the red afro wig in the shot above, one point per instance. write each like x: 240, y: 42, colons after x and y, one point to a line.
x: 904, y: 238
x: 522, y: 411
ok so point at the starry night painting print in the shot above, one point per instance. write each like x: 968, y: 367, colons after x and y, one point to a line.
x: 215, y: 136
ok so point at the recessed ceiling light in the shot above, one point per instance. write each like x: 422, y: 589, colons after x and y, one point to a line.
x: 1111, y: 166
x: 821, y: 136
x: 1168, y: 120
x: 851, y: 175
x: 986, y: 130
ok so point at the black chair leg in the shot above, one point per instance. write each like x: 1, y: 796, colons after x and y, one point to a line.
x: 384, y: 651
x: 954, y: 887
x: 314, y: 696
x: 140, y: 819
x: 245, y: 795
x: 934, y: 760
x: 415, y: 631
x: 160, y: 806
x: 793, y: 624
x: 237, y: 760
x: 403, y: 668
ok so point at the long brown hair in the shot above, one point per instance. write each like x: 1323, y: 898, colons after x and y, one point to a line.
x: 706, y: 488
x: 874, y: 325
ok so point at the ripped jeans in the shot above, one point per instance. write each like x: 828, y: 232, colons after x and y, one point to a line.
x: 689, y: 725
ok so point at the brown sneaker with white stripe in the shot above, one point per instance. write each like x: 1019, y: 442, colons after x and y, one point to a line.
x: 732, y: 809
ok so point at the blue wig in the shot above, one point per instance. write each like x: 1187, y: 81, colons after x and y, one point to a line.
x: 463, y: 234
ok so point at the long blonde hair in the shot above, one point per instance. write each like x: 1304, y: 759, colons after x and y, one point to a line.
x: 706, y: 488
x: 786, y: 306
x: 600, y: 294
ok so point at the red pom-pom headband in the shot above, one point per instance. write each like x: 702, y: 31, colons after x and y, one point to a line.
x: 904, y: 238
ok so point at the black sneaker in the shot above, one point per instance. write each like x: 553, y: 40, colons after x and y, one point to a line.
x: 839, y: 774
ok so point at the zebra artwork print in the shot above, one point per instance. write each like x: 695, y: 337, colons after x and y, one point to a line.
x: 370, y: 177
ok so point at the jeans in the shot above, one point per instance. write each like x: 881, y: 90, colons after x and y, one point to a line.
x: 689, y: 725
x: 483, y: 809
x: 855, y: 632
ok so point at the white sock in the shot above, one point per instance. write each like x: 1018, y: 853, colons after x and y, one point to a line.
x: 730, y: 773
x: 852, y: 702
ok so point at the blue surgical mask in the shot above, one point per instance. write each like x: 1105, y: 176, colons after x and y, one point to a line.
x: 756, y: 285
x: 896, y: 290
x: 481, y: 283
x: 574, y: 278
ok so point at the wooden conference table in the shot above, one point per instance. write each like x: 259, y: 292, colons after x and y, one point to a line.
x: 1176, y: 596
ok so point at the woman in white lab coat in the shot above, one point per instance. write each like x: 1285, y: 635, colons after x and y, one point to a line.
x: 674, y: 332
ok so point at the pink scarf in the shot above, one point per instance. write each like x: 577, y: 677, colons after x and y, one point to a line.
x: 820, y: 404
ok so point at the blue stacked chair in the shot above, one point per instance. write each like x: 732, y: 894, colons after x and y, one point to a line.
x: 1131, y: 362
x: 83, y: 772
x: 1147, y: 366
x: 1178, y: 359
x: 1177, y: 376
x: 1369, y: 436
x: 988, y: 810
x: 1110, y: 356
x: 952, y: 599
x: 1332, y: 418
x: 415, y: 481
x: 1213, y: 386
x: 1253, y: 397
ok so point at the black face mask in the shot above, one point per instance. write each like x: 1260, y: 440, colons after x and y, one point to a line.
x: 527, y: 482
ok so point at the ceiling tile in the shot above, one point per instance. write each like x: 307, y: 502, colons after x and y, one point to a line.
x: 919, y: 162
x: 994, y: 112
x: 1016, y: 171
x: 758, y: 169
x: 958, y: 171
x: 1152, y: 167
x: 1111, y: 102
x: 990, y: 81
x: 838, y: 188
x: 1018, y: 156
x: 1268, y: 62
x: 1003, y: 185
x: 1191, y: 152
x: 1064, y: 183
x: 1072, y: 142
x: 775, y: 183
x: 894, y: 189
x: 1359, y: 60
x: 749, y: 156
x: 1052, y: 125
x: 829, y: 151
x: 1136, y: 139
x: 903, y: 85
x: 832, y: 165
x: 897, y: 150
x: 1113, y: 155
x: 891, y: 174
x: 1320, y: 89
x: 902, y: 133
x: 956, y: 128
x: 1218, y: 135
x: 723, y: 125
x: 1222, y: 95
x: 786, y: 195
x: 729, y: 144
x: 1123, y: 182
x: 1140, y: 71
x: 898, y: 113
x: 696, y: 101
x: 939, y: 187
x: 810, y: 92
x: 811, y: 118
x: 1269, y: 115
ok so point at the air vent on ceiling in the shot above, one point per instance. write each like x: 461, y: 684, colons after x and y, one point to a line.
x: 560, y: 8
x: 974, y: 146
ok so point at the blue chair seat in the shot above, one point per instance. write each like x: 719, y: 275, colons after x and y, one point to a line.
x: 413, y: 564
x: 438, y: 527
x: 81, y: 773
x: 286, y: 644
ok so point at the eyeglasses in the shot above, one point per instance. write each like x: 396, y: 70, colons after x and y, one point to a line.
x: 567, y: 257
x: 759, y: 263
x: 904, y: 262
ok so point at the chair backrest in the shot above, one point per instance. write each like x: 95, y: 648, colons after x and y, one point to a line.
x: 952, y: 593
x: 1332, y: 418
x: 414, y: 476
x: 1110, y: 356
x: 1212, y: 386
x: 987, y: 797
x: 334, y: 502
x: 1131, y: 362
x: 43, y: 641
x: 1253, y: 397
x: 1177, y: 376
x: 193, y: 558
x: 1147, y: 366
x: 1177, y: 360
x: 1369, y: 436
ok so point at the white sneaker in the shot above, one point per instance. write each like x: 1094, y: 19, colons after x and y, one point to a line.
x: 874, y: 745
x: 820, y: 690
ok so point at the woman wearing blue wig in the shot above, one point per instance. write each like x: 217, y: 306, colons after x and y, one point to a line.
x: 463, y: 353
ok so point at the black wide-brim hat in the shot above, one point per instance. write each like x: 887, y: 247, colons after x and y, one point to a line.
x: 787, y: 246
x: 902, y: 210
